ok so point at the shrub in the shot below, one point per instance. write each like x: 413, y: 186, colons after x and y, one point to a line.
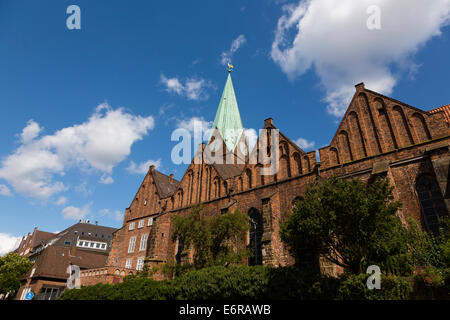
x: 353, y: 287
x: 246, y: 283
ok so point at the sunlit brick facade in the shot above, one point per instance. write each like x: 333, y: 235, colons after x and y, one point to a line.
x: 377, y: 136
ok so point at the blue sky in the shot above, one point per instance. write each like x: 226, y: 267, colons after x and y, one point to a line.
x: 145, y: 68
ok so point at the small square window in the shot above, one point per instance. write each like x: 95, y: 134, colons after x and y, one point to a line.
x: 150, y: 221
x: 131, y: 226
x: 141, y: 223
x: 92, y: 244
x: 97, y: 245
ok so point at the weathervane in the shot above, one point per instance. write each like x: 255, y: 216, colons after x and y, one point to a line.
x: 230, y: 67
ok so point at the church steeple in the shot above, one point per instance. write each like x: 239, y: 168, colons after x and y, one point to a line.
x: 228, y: 119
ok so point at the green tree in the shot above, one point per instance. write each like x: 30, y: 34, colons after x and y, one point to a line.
x: 12, y: 268
x: 349, y: 223
x: 215, y: 239
x: 428, y: 249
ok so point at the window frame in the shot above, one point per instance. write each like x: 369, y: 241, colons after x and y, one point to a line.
x: 132, y: 244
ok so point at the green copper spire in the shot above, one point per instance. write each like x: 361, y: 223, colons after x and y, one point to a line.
x: 228, y: 120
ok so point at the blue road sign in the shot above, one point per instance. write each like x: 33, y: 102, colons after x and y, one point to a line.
x: 29, y: 295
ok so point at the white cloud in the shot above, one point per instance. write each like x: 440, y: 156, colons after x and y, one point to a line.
x: 30, y: 132
x: 173, y: 85
x: 75, y: 213
x: 193, y: 88
x: 117, y: 215
x: 252, y: 137
x: 142, y: 168
x: 197, y: 126
x: 331, y: 37
x: 8, y: 243
x: 4, y: 191
x: 100, y: 143
x: 305, y: 144
x: 106, y: 179
x: 61, y: 201
x: 226, y: 56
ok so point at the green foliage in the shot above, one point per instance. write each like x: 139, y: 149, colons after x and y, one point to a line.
x: 216, y: 283
x: 351, y: 224
x: 428, y: 249
x: 212, y: 237
x: 353, y: 287
x: 246, y: 283
x: 12, y: 268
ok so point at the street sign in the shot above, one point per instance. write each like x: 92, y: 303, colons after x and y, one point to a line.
x: 29, y: 295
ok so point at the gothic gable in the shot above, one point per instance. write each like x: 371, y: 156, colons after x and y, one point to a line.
x: 374, y: 124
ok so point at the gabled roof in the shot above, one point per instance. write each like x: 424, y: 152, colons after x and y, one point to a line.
x: 445, y: 110
x: 40, y: 237
x: 228, y: 119
x: 227, y: 171
x: 53, y: 261
x: 164, y: 186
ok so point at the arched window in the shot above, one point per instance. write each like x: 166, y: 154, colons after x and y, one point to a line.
x: 216, y: 187
x: 248, y: 174
x: 298, y: 163
x: 255, y: 236
x: 241, y: 184
x: 225, y: 187
x: 179, y: 252
x: 431, y: 202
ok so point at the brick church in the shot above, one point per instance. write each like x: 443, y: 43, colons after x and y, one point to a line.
x: 378, y: 136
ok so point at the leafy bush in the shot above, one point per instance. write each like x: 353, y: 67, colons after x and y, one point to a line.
x: 353, y: 287
x: 210, y: 236
x: 246, y: 283
x: 427, y: 249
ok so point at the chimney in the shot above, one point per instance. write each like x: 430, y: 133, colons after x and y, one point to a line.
x: 152, y: 168
x: 268, y: 122
x: 360, y: 86
x: 96, y: 223
x: 171, y: 178
x: 201, y: 146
